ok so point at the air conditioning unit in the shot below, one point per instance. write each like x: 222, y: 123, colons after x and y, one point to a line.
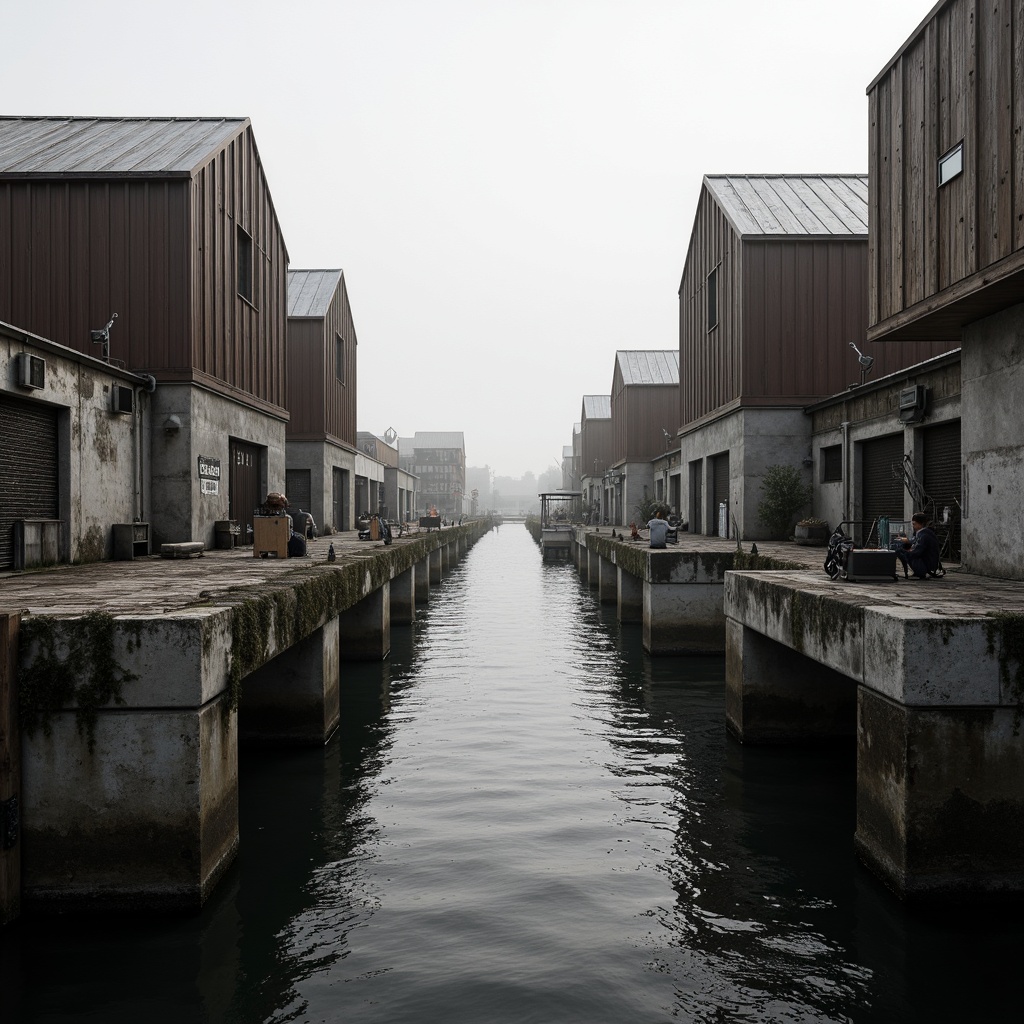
x: 122, y: 399
x: 31, y: 370
x: 913, y: 403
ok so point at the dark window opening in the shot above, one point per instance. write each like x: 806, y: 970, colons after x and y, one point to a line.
x: 713, y: 299
x: 831, y: 463
x: 244, y: 258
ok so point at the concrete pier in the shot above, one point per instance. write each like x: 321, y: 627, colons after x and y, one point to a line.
x: 403, y: 597
x: 138, y: 678
x: 926, y: 679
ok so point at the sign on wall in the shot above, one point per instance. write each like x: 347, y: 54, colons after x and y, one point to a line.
x: 209, y: 475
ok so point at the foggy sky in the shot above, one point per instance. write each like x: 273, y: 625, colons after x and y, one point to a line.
x: 508, y: 186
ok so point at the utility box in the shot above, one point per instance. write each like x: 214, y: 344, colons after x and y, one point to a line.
x: 226, y: 533
x: 867, y: 564
x: 131, y: 540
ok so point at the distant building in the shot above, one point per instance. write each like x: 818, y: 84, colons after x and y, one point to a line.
x: 596, y: 454
x: 773, y: 292
x: 438, y: 460
x: 321, y: 434
x: 169, y: 223
x: 645, y: 413
x: 396, y: 492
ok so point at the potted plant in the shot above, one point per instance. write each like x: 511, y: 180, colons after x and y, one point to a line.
x: 811, y: 532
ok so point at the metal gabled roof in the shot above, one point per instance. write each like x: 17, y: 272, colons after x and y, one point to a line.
x: 310, y: 292
x: 656, y: 366
x: 793, y: 204
x: 115, y: 146
x: 597, y: 407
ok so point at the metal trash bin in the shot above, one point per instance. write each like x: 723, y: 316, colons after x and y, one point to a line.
x: 226, y: 532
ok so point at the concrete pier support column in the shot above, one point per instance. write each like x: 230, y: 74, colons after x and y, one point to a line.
x: 403, y: 597
x: 446, y: 559
x: 593, y: 573
x: 608, y: 581
x: 774, y: 694
x: 293, y: 699
x: 630, y: 597
x: 683, y: 618
x: 436, y: 567
x: 421, y: 580
x: 940, y: 797
x: 364, y: 630
x: 146, y: 820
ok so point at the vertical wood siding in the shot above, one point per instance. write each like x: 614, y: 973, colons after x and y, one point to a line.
x: 161, y: 254
x: 709, y: 361
x: 960, y: 78
x: 320, y: 405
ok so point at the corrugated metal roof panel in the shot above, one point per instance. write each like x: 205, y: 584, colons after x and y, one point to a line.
x: 793, y: 204
x: 656, y: 366
x: 597, y: 407
x: 99, y: 146
x: 310, y: 292
x: 439, y: 439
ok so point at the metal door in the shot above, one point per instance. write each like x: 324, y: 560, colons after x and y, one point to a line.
x: 943, y: 481
x: 244, y: 490
x: 720, y: 493
x: 299, y: 490
x: 340, y: 500
x: 881, y: 480
x: 28, y: 468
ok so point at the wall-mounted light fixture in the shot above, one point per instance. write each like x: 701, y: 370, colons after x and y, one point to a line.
x: 172, y: 425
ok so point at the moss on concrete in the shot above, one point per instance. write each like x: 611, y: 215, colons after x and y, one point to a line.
x: 73, y: 666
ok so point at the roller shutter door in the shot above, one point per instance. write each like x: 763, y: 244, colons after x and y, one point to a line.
x: 942, y: 481
x: 881, y: 487
x: 28, y: 468
x: 720, y: 482
x: 298, y: 489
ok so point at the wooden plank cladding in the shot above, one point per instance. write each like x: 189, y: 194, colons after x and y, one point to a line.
x: 774, y: 291
x: 167, y: 222
x: 945, y: 253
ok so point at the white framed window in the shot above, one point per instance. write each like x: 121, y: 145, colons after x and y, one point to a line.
x: 951, y: 164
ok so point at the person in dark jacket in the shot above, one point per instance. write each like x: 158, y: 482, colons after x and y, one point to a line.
x: 921, y: 552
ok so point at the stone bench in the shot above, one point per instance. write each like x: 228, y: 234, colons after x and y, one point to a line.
x: 182, y: 549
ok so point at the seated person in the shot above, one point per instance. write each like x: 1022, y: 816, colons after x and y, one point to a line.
x: 658, y: 530
x: 921, y: 552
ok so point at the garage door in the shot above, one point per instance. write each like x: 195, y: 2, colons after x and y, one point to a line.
x: 942, y: 482
x: 720, y: 494
x: 881, y: 485
x: 28, y: 468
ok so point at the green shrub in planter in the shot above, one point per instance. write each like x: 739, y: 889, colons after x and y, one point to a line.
x: 785, y: 494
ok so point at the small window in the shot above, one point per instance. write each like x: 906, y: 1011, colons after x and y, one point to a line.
x: 832, y: 463
x: 244, y: 257
x: 713, y: 299
x: 951, y: 164
x: 339, y: 358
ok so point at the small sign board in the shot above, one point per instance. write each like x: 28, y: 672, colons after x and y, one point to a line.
x: 209, y: 475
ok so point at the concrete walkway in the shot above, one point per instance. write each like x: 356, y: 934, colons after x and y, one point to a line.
x: 155, y: 585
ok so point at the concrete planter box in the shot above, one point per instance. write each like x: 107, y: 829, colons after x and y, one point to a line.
x: 811, y: 536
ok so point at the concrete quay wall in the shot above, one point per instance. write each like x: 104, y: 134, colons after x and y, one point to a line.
x: 928, y: 684
x: 132, y: 721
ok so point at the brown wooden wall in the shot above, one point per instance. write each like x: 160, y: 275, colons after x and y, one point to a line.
x: 234, y: 342
x: 321, y: 407
x: 596, y: 444
x: 960, y: 77
x: 709, y: 362
x: 787, y: 312
x: 639, y: 413
x: 161, y: 254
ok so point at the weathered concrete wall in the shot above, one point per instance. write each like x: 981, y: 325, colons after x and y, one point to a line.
x: 102, y: 454
x: 321, y: 458
x: 180, y: 511
x: 755, y: 439
x: 993, y: 443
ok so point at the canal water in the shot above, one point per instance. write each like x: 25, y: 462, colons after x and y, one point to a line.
x: 525, y: 819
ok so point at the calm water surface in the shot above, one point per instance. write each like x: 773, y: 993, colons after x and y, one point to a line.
x: 524, y: 819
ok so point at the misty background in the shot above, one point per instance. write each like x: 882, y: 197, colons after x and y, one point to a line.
x: 508, y: 186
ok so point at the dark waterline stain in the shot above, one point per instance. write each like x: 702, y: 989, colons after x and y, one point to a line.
x: 525, y: 818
